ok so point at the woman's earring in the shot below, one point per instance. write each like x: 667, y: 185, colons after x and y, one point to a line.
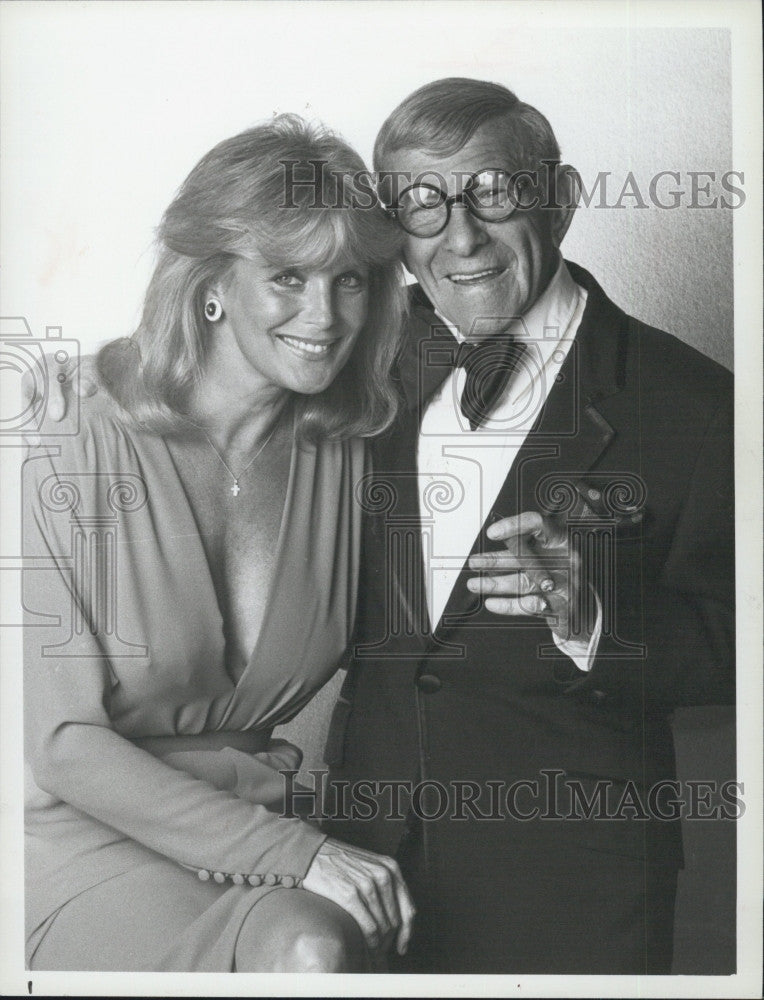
x: 213, y: 310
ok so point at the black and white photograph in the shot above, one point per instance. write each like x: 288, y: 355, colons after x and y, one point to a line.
x: 381, y: 498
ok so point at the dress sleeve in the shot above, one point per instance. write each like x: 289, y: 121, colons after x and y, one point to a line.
x: 75, y: 753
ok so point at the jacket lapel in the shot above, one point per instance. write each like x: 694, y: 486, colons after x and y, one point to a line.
x: 428, y: 356
x: 426, y: 360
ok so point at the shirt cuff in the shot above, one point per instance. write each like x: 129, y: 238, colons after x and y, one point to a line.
x: 580, y: 652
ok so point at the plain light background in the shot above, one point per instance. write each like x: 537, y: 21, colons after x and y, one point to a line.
x: 104, y: 108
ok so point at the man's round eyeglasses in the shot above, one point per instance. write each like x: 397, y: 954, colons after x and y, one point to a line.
x: 491, y: 195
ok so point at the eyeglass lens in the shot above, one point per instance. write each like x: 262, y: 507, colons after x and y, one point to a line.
x: 490, y: 194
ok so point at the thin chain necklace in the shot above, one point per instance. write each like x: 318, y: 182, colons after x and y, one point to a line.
x: 236, y: 489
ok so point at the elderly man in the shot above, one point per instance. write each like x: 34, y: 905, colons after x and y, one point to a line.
x: 561, y: 472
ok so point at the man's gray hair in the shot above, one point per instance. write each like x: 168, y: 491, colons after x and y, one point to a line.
x: 444, y: 115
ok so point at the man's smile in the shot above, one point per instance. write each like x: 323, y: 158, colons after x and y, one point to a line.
x: 475, y: 277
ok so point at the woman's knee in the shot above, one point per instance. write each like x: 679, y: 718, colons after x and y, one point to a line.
x: 300, y: 932
x: 332, y: 947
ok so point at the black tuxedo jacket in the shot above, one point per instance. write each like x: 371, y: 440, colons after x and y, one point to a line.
x: 634, y: 447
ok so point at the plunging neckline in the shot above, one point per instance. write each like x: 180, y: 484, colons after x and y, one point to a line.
x: 277, y: 562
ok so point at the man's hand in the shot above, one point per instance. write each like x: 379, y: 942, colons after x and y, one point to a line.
x: 539, y: 574
x: 369, y: 886
x: 78, y: 377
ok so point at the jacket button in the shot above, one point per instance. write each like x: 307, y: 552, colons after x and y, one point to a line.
x: 429, y: 683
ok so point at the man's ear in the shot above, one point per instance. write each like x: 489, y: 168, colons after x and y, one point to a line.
x: 564, y: 198
x: 405, y: 258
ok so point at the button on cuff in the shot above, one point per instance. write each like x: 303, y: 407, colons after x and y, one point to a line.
x: 255, y: 880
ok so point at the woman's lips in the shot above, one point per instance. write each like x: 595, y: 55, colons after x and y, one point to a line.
x: 313, y: 350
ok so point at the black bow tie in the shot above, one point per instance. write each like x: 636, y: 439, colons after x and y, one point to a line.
x: 489, y: 365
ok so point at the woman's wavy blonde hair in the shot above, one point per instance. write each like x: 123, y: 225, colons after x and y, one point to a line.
x: 303, y: 197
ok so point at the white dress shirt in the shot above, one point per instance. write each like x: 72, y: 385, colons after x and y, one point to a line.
x: 461, y: 471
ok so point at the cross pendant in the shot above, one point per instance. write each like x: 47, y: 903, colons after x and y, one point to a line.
x: 235, y: 489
